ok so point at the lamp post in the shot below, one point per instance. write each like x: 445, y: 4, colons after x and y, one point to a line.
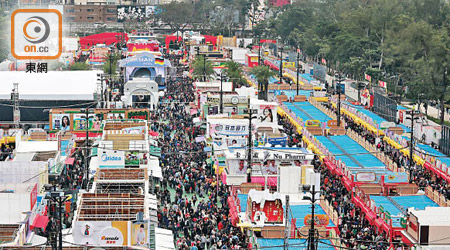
x: 411, y: 143
x: 281, y: 65
x: 86, y: 112
x: 298, y: 67
x: 312, y: 230
x: 250, y: 142
x: 339, y: 80
x: 59, y: 198
x: 221, y: 92
x: 259, y: 50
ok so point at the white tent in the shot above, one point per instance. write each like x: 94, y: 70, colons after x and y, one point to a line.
x: 54, y: 85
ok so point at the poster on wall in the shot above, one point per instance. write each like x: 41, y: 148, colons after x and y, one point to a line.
x: 101, y: 233
x: 237, y: 166
x: 79, y: 123
x: 267, y: 113
x: 61, y: 122
x: 139, y: 234
x: 115, y: 116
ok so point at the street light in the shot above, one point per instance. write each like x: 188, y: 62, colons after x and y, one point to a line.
x: 250, y: 117
x: 311, y: 234
x: 101, y: 78
x: 86, y: 112
x: 281, y: 64
x: 59, y: 198
x: 339, y: 78
x: 411, y: 143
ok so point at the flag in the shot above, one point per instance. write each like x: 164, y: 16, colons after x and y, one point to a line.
x: 159, y: 61
x: 367, y: 77
x: 382, y: 84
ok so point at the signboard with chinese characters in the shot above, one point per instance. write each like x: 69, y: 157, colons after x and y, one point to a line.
x: 131, y: 13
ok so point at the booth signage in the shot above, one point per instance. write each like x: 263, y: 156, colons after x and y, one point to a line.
x: 366, y: 177
x: 289, y: 64
x: 275, y: 156
x: 111, y: 158
x: 141, y: 115
x: 111, y: 236
x: 268, y: 41
x: 319, y: 220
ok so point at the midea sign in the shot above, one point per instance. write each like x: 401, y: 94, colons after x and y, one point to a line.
x: 111, y: 158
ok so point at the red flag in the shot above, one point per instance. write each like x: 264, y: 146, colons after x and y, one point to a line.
x: 367, y: 77
x: 382, y: 84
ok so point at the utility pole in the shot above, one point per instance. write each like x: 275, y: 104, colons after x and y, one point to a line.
x: 15, y: 99
x: 86, y: 112
x: 411, y: 144
x: 312, y: 230
x: 298, y: 67
x: 250, y: 143
x: 281, y: 65
x: 59, y: 198
x: 60, y: 201
x: 102, y: 94
x: 338, y: 116
x: 204, y: 68
x: 286, y: 223
x: 110, y: 64
x: 221, y: 93
x: 259, y: 50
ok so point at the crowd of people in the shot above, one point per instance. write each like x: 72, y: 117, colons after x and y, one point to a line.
x: 419, y: 175
x: 354, y: 229
x: 193, y: 203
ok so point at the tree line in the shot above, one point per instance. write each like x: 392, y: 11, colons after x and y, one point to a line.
x: 396, y: 41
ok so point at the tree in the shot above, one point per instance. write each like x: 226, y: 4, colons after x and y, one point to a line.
x: 114, y: 58
x: 233, y: 70
x: 424, y: 54
x: 263, y: 75
x: 4, y: 38
x: 178, y: 15
x: 202, y: 66
x: 79, y: 66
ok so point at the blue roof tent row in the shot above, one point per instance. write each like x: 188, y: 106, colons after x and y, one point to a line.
x: 405, y: 202
x: 307, y: 111
x: 301, y: 244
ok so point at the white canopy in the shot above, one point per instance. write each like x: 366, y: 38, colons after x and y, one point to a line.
x: 54, y: 85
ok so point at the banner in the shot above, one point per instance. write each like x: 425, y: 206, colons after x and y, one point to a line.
x: 111, y: 158
x: 319, y: 220
x: 101, y: 233
x: 61, y: 122
x: 268, y: 41
x: 289, y: 64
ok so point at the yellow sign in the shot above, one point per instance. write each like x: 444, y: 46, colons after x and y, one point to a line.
x: 312, y: 123
x: 289, y: 64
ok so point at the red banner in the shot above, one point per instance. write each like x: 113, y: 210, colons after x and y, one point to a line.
x: 268, y: 41
x: 33, y: 197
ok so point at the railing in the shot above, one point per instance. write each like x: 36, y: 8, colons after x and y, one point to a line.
x: 330, y: 211
x: 437, y: 197
x: 322, y: 108
x: 391, y: 165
